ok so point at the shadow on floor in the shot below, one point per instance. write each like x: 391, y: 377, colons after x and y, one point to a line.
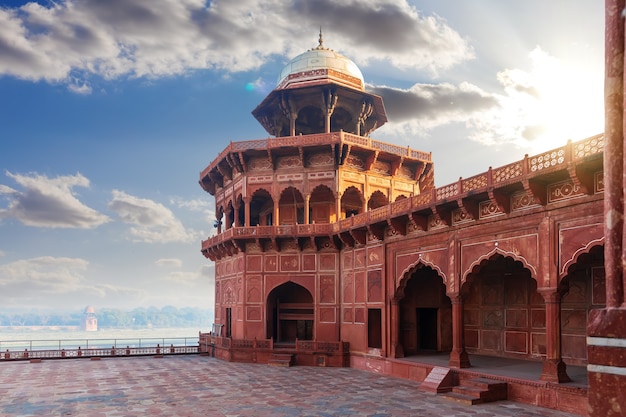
x: 513, y: 368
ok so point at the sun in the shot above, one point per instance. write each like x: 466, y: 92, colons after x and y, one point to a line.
x: 569, y: 101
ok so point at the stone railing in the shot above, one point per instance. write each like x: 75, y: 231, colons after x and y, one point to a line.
x: 558, y: 158
x: 209, y: 341
x: 317, y: 139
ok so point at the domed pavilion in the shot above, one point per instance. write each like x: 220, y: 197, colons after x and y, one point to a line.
x: 336, y: 249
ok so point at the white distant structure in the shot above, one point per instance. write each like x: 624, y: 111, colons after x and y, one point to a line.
x: 90, y: 321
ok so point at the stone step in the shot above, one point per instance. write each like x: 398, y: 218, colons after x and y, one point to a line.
x: 280, y: 359
x: 478, y: 390
x: 484, y: 383
x: 461, y: 398
x: 467, y: 390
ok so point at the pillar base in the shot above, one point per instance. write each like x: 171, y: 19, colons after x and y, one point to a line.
x: 606, y: 352
x: 554, y: 370
x: 459, y: 360
x: 397, y: 351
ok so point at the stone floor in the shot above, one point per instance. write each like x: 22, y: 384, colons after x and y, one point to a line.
x: 202, y: 386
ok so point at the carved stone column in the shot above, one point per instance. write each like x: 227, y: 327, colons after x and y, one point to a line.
x: 554, y: 369
x: 237, y: 220
x: 338, y: 206
x: 364, y: 114
x: 229, y: 222
x: 330, y: 101
x: 458, y: 355
x: 246, y: 202
x: 276, y: 214
x: 606, y: 328
x: 307, y: 205
x: 397, y: 351
x: 219, y: 223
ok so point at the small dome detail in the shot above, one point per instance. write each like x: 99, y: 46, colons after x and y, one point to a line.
x: 320, y: 65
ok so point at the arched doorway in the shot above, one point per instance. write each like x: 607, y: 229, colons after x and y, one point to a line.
x: 291, y: 206
x: 240, y: 216
x: 342, y: 119
x: 582, y: 289
x: 290, y: 313
x: 351, y: 202
x: 310, y: 120
x: 504, y: 315
x: 377, y: 199
x: 322, y: 205
x: 261, y: 208
x: 425, y: 313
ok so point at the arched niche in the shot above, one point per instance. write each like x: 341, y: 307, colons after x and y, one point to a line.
x: 290, y: 313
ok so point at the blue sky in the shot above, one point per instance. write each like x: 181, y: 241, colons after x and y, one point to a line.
x: 110, y: 109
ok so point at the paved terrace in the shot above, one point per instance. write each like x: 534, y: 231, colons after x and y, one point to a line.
x: 195, y: 385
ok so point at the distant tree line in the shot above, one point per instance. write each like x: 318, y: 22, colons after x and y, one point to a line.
x: 167, y: 316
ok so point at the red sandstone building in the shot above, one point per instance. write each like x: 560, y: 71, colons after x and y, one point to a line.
x: 338, y: 249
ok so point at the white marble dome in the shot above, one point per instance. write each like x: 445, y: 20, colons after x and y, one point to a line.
x: 332, y: 64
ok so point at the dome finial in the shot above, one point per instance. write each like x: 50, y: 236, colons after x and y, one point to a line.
x: 321, y: 41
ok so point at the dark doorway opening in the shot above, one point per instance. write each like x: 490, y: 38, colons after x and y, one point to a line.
x: 292, y: 313
x: 374, y: 328
x: 427, y: 321
x: 229, y: 322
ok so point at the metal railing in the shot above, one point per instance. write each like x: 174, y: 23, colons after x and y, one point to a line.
x: 67, y: 348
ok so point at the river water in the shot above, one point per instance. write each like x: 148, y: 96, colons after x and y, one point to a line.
x: 44, y: 339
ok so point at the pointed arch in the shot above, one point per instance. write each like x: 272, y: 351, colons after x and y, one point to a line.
x: 484, y: 259
x: 377, y: 199
x: 577, y: 253
x: 261, y: 208
x: 342, y: 119
x: 290, y: 313
x: 310, y: 120
x: 410, y: 270
x: 582, y: 289
x: 230, y: 214
x: 352, y: 202
x: 240, y: 211
x: 291, y: 206
x: 322, y: 205
x: 501, y: 302
x: 425, y: 311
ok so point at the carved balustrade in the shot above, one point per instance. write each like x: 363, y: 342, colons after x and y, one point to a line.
x: 556, y: 159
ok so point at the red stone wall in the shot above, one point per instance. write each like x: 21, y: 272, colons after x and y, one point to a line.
x: 362, y: 287
x: 246, y: 289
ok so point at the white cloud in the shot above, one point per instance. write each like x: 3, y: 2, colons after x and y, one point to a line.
x: 194, y: 204
x: 543, y: 107
x: 169, y: 262
x: 424, y: 107
x: 70, y: 41
x: 182, y: 277
x: 59, y: 282
x: 83, y: 88
x: 44, y: 274
x: 151, y: 222
x: 536, y: 108
x: 50, y: 202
